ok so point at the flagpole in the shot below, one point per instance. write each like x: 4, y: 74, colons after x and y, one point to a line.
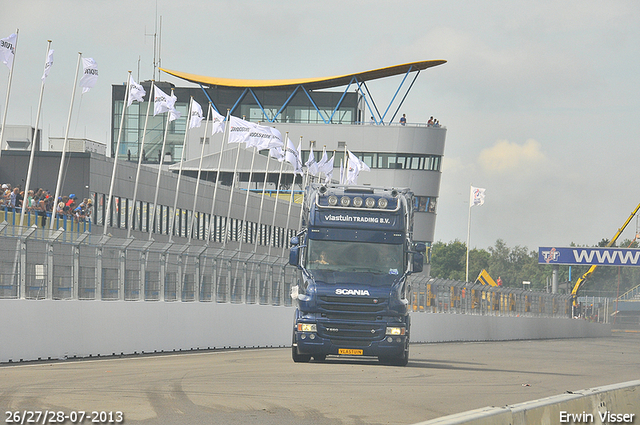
x: 246, y: 198
x: 108, y: 214
x: 275, y: 205
x: 6, y: 102
x: 35, y: 139
x: 172, y: 222
x: 264, y: 188
x: 155, y: 197
x: 66, y: 140
x: 195, y: 195
x: 227, y: 228
x: 140, y: 151
x: 324, y: 150
x: 468, y: 234
x: 346, y: 166
x: 305, y: 182
x: 225, y: 137
x: 291, y: 200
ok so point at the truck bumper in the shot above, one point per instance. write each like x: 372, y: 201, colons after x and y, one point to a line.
x: 312, y: 344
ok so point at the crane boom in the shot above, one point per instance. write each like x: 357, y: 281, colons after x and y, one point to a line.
x: 584, y: 277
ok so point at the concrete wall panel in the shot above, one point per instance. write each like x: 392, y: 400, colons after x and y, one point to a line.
x: 54, y: 329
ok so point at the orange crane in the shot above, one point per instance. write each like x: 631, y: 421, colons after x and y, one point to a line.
x: 584, y: 277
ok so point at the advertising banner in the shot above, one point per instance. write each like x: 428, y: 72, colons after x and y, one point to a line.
x: 589, y: 256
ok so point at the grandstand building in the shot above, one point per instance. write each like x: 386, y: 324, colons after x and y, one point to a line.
x: 334, y: 113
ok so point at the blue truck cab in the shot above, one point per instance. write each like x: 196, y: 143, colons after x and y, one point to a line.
x: 355, y: 254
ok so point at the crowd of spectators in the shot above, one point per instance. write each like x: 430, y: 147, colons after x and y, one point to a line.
x: 41, y: 202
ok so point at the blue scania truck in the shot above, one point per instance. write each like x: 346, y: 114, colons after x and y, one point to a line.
x: 355, y: 254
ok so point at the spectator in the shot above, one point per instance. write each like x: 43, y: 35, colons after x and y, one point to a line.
x: 31, y: 202
x: 403, y: 120
x: 430, y: 122
x: 5, y: 198
x: 89, y: 209
x: 80, y: 212
x: 70, y: 205
x: 13, y: 198
x: 60, y: 210
x: 42, y: 207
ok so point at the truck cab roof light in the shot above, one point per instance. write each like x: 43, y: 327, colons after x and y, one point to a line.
x: 357, y: 202
x: 382, y: 203
x: 333, y: 200
x: 345, y: 201
x: 370, y: 202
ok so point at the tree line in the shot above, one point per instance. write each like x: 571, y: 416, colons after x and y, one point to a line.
x: 518, y: 264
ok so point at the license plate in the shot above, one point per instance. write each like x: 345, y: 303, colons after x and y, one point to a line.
x: 350, y: 351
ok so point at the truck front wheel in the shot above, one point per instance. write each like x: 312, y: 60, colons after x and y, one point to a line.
x: 297, y: 357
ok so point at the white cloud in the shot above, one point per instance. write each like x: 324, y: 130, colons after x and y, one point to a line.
x: 506, y: 157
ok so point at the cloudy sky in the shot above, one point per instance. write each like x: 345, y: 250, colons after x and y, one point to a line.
x: 540, y: 99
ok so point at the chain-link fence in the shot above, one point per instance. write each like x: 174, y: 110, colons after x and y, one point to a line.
x: 38, y: 264
x: 450, y: 296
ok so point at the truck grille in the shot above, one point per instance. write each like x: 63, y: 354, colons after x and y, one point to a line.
x: 351, y: 331
x: 352, y: 304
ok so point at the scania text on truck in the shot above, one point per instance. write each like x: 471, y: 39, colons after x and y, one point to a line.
x: 355, y: 254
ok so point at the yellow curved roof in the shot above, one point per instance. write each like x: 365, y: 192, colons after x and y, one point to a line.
x: 309, y: 83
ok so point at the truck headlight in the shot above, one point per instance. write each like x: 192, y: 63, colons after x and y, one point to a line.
x: 307, y: 327
x: 394, y: 330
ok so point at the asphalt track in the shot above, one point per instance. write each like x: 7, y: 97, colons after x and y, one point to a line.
x: 263, y: 386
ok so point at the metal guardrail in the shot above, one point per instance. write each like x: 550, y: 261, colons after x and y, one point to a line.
x: 632, y: 294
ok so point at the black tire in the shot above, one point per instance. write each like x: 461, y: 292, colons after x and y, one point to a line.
x: 401, y: 360
x: 297, y: 357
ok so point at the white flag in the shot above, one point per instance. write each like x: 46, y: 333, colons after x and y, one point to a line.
x: 239, y: 130
x: 48, y: 65
x: 162, y: 102
x: 264, y: 137
x: 311, y: 163
x: 136, y: 92
x: 355, y: 165
x: 89, y: 74
x: 8, y: 49
x: 277, y: 153
x: 477, y: 196
x: 323, y: 164
x: 196, y: 114
x: 328, y: 170
x: 292, y: 155
x: 174, y: 114
x: 218, y: 122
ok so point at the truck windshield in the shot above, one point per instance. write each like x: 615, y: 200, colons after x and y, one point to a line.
x: 355, y: 257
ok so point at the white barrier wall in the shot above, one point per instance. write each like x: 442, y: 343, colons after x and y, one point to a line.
x: 434, y: 327
x: 52, y: 329
x: 618, y: 403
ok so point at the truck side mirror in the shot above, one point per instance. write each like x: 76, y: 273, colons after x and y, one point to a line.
x: 421, y: 247
x: 418, y: 259
x: 294, y: 241
x: 294, y: 256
